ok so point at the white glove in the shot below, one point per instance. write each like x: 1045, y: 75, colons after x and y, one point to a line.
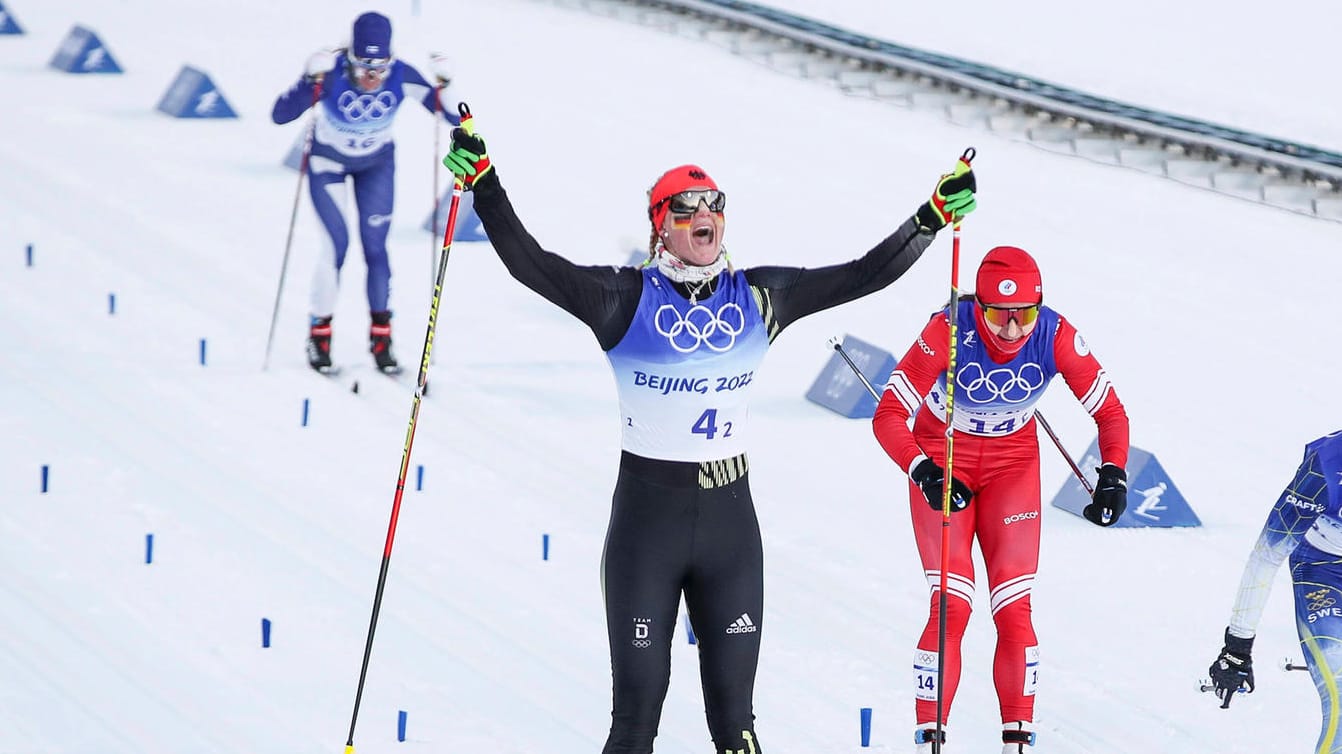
x: 321, y: 63
x: 440, y: 66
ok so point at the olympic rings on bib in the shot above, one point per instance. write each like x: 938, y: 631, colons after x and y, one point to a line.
x: 357, y: 107
x: 1001, y: 384
x: 701, y: 326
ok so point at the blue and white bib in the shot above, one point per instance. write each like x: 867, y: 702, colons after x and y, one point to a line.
x: 991, y: 399
x: 684, y: 371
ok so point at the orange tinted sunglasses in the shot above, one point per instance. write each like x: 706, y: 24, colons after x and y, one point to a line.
x: 1001, y: 316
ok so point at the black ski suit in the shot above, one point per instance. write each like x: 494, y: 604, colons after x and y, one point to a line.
x: 684, y: 525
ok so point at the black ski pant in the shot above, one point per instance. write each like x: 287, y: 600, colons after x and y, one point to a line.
x: 683, y: 527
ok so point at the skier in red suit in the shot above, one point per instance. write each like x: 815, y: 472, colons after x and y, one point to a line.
x: 1010, y: 347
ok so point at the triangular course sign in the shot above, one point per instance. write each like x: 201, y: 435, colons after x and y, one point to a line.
x: 838, y: 389
x: 7, y: 23
x: 469, y: 227
x: 1153, y: 500
x: 83, y: 52
x: 193, y: 95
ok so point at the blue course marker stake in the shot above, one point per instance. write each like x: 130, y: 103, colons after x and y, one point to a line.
x: 265, y: 632
x: 400, y: 724
x: 545, y: 547
x: 419, y: 477
x: 45, y: 474
x: 305, y: 412
x: 29, y: 255
x: 148, y: 548
x: 866, y: 726
x: 202, y: 352
x: 111, y: 303
x: 689, y: 630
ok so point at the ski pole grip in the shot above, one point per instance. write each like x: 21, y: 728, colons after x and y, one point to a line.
x: 467, y: 121
x: 962, y: 165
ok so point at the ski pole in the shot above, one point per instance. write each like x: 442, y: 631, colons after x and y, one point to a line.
x: 947, y: 478
x: 1286, y: 665
x: 437, y: 202
x: 837, y: 345
x: 1204, y: 686
x: 293, y: 218
x: 457, y: 187
x: 1090, y: 489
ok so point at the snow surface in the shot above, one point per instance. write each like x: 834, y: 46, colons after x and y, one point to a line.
x: 1213, y: 315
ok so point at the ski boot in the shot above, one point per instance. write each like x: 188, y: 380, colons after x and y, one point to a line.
x: 925, y: 735
x: 319, y: 344
x: 1016, y: 736
x: 379, y: 343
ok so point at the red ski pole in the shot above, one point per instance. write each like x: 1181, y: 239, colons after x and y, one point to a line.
x: 420, y: 383
x: 946, y: 485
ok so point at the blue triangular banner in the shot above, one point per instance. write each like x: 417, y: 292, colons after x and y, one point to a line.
x: 7, y: 23
x: 1153, y: 499
x: 838, y: 389
x: 193, y: 95
x: 636, y: 258
x: 469, y: 227
x: 83, y: 52
x: 294, y: 159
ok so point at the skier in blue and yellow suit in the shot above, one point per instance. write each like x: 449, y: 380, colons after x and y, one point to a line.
x: 1306, y: 526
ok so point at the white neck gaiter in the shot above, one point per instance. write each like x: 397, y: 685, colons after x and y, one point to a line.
x: 676, y: 269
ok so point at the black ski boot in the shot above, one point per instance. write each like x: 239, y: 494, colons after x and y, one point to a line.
x: 1016, y: 736
x: 379, y: 343
x: 319, y: 344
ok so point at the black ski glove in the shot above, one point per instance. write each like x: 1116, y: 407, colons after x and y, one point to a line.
x: 1232, y: 669
x: 930, y: 477
x: 1110, y: 498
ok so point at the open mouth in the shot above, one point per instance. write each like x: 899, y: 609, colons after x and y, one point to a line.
x: 703, y: 234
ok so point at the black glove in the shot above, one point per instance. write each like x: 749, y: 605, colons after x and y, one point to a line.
x: 1110, y: 498
x: 930, y: 477
x: 1233, y: 669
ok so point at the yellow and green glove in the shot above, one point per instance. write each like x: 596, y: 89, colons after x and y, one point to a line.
x: 468, y: 158
x: 952, y: 199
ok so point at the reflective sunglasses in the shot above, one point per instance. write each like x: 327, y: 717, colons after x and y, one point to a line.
x: 687, y: 202
x: 373, y: 66
x: 1001, y: 316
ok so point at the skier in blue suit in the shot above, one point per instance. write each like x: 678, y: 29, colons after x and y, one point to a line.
x: 1305, y: 526
x: 357, y: 91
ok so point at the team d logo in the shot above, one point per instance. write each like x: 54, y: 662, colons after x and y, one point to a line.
x: 641, y: 633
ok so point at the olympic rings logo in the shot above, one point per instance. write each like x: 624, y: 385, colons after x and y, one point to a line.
x: 1000, y: 384
x: 701, y: 326
x: 357, y: 107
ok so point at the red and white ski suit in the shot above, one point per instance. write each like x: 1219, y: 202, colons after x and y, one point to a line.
x: 996, y: 453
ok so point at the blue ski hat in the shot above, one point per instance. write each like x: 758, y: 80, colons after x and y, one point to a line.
x: 372, y: 36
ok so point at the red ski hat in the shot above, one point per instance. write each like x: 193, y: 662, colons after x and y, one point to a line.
x: 1008, y: 277
x: 674, y: 181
